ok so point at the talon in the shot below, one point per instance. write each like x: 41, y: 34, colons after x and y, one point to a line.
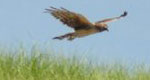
x: 60, y: 38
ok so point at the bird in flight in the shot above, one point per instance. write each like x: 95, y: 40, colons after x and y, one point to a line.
x: 81, y: 25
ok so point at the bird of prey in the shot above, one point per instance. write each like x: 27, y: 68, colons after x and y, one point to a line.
x: 81, y: 25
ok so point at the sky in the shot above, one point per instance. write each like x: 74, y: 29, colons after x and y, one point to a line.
x: 23, y: 21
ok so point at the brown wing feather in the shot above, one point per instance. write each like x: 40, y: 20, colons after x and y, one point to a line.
x: 72, y: 19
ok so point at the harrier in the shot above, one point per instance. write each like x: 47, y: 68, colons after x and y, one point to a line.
x: 81, y: 25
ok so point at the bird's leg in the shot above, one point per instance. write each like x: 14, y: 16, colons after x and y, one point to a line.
x: 69, y: 36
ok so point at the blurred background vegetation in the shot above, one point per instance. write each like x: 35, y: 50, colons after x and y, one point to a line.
x: 39, y: 64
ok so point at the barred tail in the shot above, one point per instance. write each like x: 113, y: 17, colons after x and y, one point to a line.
x: 69, y: 36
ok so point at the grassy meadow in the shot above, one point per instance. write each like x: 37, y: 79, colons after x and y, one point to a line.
x: 37, y: 64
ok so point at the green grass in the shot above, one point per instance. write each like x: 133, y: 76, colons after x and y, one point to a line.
x: 39, y: 64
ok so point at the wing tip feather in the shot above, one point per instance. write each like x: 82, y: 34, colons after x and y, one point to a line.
x: 51, y: 9
x: 124, y: 14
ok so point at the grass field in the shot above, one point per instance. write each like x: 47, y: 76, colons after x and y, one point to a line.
x: 39, y: 64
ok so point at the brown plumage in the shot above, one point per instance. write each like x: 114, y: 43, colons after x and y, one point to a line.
x: 79, y: 23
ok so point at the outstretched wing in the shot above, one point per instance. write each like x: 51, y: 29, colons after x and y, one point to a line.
x: 112, y: 19
x: 72, y: 19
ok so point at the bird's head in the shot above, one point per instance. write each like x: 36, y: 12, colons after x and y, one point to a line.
x: 102, y: 27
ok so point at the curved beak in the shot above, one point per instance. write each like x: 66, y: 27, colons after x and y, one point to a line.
x: 107, y: 29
